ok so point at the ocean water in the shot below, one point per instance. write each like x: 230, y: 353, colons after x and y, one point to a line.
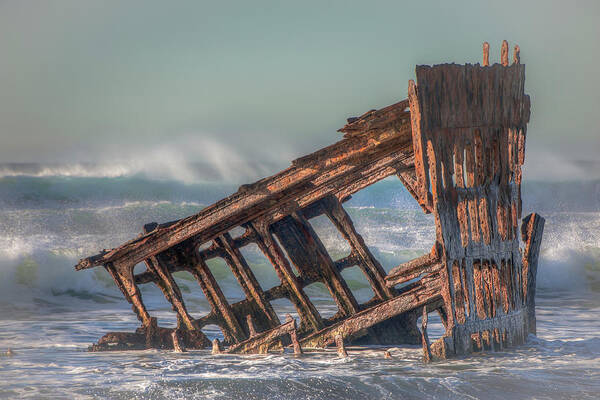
x: 51, y: 216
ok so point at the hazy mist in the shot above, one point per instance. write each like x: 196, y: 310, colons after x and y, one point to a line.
x: 224, y: 82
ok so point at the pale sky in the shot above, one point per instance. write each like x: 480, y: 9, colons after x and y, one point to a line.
x: 86, y: 80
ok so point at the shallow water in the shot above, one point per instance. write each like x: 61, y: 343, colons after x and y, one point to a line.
x: 563, y: 361
x: 49, y: 313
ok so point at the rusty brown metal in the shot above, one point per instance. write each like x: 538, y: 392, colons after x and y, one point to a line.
x: 469, y: 141
x: 457, y: 143
x: 262, y: 342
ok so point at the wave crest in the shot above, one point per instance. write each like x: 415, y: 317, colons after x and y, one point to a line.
x: 188, y: 159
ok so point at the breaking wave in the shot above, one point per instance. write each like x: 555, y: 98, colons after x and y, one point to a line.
x: 189, y: 159
x: 175, y: 170
x: 47, y: 224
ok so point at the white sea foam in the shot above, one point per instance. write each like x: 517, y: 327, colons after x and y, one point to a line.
x: 84, y: 170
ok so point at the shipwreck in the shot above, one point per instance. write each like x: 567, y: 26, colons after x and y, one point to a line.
x: 457, y: 143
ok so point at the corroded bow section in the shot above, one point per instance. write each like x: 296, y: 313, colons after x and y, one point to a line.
x: 469, y: 125
x: 457, y: 144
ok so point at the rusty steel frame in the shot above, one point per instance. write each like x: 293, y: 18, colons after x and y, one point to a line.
x: 457, y: 144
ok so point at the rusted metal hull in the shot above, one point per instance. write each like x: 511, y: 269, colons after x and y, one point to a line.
x: 457, y: 144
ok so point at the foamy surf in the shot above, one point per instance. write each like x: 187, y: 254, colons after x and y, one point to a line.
x: 50, y: 314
